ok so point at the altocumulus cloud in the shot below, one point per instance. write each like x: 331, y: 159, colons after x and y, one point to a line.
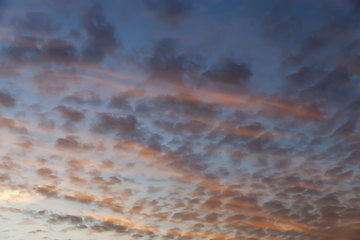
x: 164, y: 119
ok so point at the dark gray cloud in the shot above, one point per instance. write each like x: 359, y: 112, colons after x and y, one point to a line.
x: 170, y: 11
x: 121, y: 101
x: 71, y: 117
x: 70, y: 114
x: 190, y: 127
x: 59, y: 51
x: 101, y: 34
x: 122, y: 126
x: 35, y: 43
x: 23, y: 50
x: 229, y: 73
x: 160, y: 104
x: 167, y: 65
x: 27, y: 50
x: 305, y: 77
x: 73, y: 143
x: 7, y: 100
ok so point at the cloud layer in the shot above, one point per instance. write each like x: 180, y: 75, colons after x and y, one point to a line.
x: 159, y: 119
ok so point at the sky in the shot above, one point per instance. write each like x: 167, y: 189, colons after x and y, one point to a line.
x: 180, y: 120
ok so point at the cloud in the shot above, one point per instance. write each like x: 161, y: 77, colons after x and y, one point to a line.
x: 36, y: 22
x: 72, y: 143
x: 38, y: 39
x: 166, y: 65
x: 123, y: 126
x: 27, y: 50
x: 83, y: 98
x: 170, y: 11
x: 3, y: 5
x: 51, y: 82
x: 24, y: 49
x: 7, y: 70
x: 7, y: 100
x: 336, y: 83
x: 13, y: 125
x: 229, y: 73
x: 81, y: 197
x: 183, y: 141
x: 59, y: 51
x: 181, y: 128
x: 212, y: 203
x: 46, y: 173
x: 184, y: 216
x: 48, y: 191
x: 121, y: 101
x: 70, y: 114
x: 101, y: 39
x: 304, y: 77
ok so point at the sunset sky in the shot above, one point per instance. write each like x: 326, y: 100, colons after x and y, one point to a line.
x: 180, y: 120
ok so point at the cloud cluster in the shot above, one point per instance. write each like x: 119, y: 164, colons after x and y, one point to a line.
x: 112, y: 130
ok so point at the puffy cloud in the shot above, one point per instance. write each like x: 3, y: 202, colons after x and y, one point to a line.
x: 229, y: 73
x: 166, y: 65
x: 72, y: 143
x: 45, y: 173
x: 123, y: 126
x: 70, y: 114
x: 101, y: 39
x: 7, y: 100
